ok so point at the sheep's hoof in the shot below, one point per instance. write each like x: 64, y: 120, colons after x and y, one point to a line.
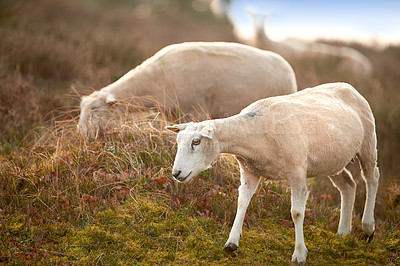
x: 230, y: 247
x: 300, y: 262
x: 369, y: 238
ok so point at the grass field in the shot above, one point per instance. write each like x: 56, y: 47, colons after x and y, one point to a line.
x: 111, y: 200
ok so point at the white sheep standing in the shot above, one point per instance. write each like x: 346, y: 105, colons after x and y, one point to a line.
x: 220, y: 77
x: 312, y: 133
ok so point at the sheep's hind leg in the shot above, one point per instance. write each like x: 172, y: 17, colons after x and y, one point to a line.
x: 347, y: 187
x: 370, y: 173
x: 299, y: 199
x: 247, y: 188
x: 371, y: 177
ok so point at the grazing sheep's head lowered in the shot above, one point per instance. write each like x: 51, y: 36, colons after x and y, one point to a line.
x: 196, y: 149
x: 93, y: 107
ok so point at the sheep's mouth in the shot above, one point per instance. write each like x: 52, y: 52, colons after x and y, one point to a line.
x: 181, y: 179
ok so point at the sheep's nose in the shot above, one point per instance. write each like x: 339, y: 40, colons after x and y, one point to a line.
x: 176, y: 174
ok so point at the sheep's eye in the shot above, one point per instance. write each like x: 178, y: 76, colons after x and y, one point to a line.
x: 195, y: 142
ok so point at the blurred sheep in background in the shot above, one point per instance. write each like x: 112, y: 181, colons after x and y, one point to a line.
x: 349, y: 60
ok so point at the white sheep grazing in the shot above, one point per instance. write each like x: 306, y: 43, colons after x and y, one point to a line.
x: 219, y: 77
x: 312, y: 133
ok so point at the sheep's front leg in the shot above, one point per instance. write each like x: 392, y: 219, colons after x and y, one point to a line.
x: 248, y: 185
x: 299, y: 198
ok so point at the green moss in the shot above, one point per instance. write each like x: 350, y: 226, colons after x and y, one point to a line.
x: 156, y: 234
x: 16, y: 225
x: 393, y: 241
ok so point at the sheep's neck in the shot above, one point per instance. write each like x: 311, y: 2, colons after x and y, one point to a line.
x: 238, y: 135
x: 261, y: 39
x: 136, y: 82
x: 232, y: 134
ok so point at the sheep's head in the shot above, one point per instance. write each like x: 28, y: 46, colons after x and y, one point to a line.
x: 196, y: 149
x: 93, y: 110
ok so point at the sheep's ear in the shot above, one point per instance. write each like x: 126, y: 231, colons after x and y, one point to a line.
x: 177, y: 128
x: 173, y: 128
x: 208, y: 132
x: 110, y: 98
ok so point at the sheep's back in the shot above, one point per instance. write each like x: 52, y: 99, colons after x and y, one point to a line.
x: 221, y: 77
x: 325, y: 125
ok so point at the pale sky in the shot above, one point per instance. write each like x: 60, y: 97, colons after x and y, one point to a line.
x: 365, y: 21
